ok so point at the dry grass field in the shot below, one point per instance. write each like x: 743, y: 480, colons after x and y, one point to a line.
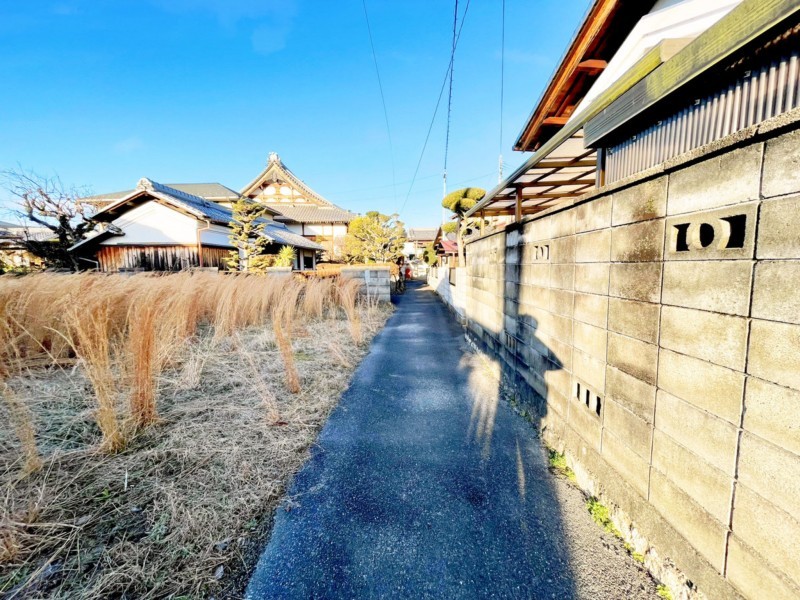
x: 149, y: 424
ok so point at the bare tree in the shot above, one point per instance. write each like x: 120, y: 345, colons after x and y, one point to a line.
x: 50, y: 204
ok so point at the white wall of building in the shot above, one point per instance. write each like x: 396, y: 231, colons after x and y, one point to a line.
x: 153, y: 223
x: 217, y: 235
x: 669, y: 19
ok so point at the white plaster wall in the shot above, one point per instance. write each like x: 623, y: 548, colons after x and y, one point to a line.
x: 216, y: 236
x: 669, y: 19
x: 294, y: 228
x: 153, y: 223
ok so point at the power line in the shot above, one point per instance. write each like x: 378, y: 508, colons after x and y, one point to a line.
x: 383, y: 99
x: 450, y: 97
x: 502, y: 88
x: 436, y: 109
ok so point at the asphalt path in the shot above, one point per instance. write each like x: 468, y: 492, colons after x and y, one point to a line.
x: 425, y: 484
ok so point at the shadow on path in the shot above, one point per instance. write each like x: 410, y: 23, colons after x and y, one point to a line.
x: 423, y: 484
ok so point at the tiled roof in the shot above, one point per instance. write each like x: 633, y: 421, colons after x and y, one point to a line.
x: 421, y: 235
x: 209, y: 191
x: 311, y: 213
x: 279, y: 234
x: 276, y: 172
x: 201, y: 209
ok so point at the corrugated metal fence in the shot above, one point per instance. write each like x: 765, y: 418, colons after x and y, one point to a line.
x: 758, y: 95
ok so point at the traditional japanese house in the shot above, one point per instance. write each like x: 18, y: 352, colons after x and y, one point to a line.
x: 299, y: 207
x: 159, y: 228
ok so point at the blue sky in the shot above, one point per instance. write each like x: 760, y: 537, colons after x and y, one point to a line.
x: 103, y: 92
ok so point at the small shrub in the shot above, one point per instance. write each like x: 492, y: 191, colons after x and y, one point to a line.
x: 601, y: 516
x: 663, y: 592
x: 558, y: 463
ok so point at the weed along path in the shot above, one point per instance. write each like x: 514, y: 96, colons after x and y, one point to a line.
x: 425, y: 484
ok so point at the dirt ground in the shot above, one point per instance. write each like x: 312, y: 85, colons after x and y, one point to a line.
x: 184, y: 509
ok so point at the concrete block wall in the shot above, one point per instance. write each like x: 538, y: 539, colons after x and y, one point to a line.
x: 376, y: 281
x: 439, y: 278
x: 657, y: 329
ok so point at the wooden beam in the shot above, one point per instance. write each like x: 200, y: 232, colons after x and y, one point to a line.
x: 518, y: 206
x: 560, y: 182
x: 556, y: 121
x: 562, y: 163
x: 592, y: 64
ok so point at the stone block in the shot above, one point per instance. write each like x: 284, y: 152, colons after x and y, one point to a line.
x: 773, y: 413
x: 771, y: 472
x: 721, y: 234
x: 592, y: 278
x: 636, y: 433
x: 561, y: 302
x: 703, y: 531
x: 705, y: 484
x: 721, y: 339
x: 591, y: 309
x: 590, y: 370
x: 536, y: 274
x: 560, y: 352
x: 634, y: 357
x: 634, y: 394
x: 770, y: 531
x: 536, y: 230
x: 639, y: 242
x: 635, y: 319
x: 781, y: 165
x: 753, y: 576
x: 535, y: 295
x: 710, y: 387
x: 716, y: 285
x: 562, y: 250
x: 562, y: 223
x: 774, y: 352
x: 562, y: 276
x: 556, y: 326
x: 775, y: 290
x: 634, y: 469
x: 636, y: 281
x: 728, y: 178
x: 590, y: 339
x: 557, y: 402
x: 778, y: 227
x: 708, y: 436
x: 593, y: 247
x: 592, y: 215
x: 586, y: 423
x: 558, y: 381
x: 641, y: 202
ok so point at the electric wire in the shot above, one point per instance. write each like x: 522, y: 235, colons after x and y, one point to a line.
x: 450, y: 97
x: 436, y: 109
x: 502, y: 87
x: 383, y: 100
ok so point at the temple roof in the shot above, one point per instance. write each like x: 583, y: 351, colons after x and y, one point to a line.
x: 291, y: 198
x: 210, y: 191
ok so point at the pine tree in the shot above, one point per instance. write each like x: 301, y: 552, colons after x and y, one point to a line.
x: 247, y: 234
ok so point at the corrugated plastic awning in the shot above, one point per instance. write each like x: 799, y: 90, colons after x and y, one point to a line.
x: 561, y: 169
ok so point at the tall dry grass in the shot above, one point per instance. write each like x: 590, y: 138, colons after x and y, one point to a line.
x: 124, y: 331
x: 190, y: 374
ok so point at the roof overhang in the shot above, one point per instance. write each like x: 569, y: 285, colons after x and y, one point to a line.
x: 685, y: 70
x: 606, y: 26
x: 562, y: 169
